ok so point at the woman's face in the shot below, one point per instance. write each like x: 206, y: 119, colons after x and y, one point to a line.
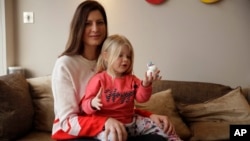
x: 95, y: 30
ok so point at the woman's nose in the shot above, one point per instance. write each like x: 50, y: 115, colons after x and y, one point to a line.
x: 94, y: 27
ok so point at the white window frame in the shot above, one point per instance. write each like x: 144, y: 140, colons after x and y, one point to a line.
x: 3, y: 56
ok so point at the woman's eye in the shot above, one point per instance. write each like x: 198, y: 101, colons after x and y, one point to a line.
x: 100, y: 22
x: 87, y: 23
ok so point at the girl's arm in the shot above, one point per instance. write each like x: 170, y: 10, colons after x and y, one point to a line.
x: 142, y: 93
x: 140, y: 90
x: 91, y: 100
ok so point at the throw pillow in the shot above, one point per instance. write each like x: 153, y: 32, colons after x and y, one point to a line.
x: 232, y: 108
x: 16, y: 109
x: 162, y: 103
x: 41, y: 92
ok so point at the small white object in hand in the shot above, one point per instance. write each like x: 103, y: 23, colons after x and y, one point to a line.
x: 151, y: 68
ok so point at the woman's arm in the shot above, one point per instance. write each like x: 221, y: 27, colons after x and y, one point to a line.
x: 66, y: 86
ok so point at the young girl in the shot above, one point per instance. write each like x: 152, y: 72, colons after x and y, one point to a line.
x: 119, y: 88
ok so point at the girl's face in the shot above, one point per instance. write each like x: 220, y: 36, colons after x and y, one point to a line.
x: 95, y: 30
x: 123, y: 62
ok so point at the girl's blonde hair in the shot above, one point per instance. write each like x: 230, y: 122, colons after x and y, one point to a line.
x: 112, y: 47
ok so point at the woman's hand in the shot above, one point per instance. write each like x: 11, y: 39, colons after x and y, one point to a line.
x: 163, y: 122
x: 148, y: 79
x: 115, y: 130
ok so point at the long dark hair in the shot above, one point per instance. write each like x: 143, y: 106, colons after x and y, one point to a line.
x: 75, y: 45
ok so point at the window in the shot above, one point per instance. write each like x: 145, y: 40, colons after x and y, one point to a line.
x: 2, y: 39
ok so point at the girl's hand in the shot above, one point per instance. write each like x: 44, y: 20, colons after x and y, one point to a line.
x: 148, y: 79
x: 96, y: 102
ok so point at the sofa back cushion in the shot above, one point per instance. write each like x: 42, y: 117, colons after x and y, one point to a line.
x: 40, y: 89
x: 231, y: 107
x: 214, y: 117
x: 16, y: 109
x: 191, y: 92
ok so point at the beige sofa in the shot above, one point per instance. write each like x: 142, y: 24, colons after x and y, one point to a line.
x: 199, y: 111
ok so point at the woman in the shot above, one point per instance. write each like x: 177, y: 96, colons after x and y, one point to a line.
x: 72, y: 70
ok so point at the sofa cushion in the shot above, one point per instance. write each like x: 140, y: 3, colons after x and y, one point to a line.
x: 40, y: 88
x: 16, y: 109
x: 210, y: 131
x: 162, y: 103
x: 37, y: 136
x: 231, y: 108
x: 191, y: 92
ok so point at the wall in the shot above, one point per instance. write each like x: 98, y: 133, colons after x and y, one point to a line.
x: 10, y: 28
x: 6, y: 35
x: 187, y: 39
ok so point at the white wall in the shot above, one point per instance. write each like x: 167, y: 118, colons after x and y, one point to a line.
x: 2, y: 39
x: 187, y: 39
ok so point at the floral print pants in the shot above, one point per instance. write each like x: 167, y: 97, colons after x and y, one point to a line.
x: 143, y: 126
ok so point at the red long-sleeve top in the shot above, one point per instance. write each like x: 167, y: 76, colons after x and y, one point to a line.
x: 117, y: 97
